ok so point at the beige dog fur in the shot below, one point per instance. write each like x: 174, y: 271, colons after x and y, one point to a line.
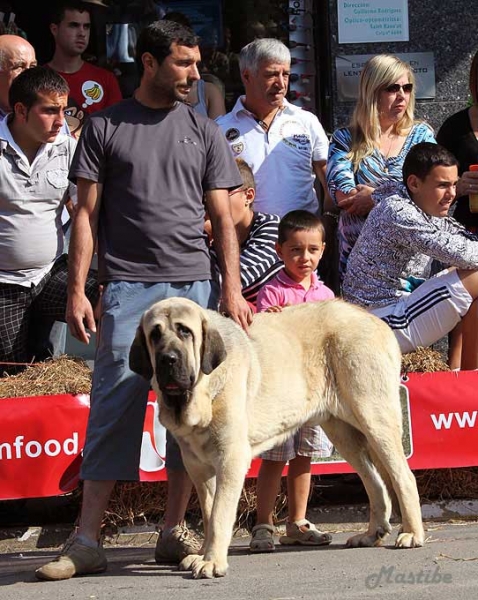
x: 228, y: 396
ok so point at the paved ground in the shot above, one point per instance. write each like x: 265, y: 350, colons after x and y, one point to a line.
x: 446, y: 566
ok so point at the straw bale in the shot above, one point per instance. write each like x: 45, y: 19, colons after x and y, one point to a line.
x: 448, y: 484
x: 424, y: 360
x: 134, y: 503
x: 62, y: 375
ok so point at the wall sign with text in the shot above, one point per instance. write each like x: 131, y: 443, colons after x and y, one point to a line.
x: 372, y: 21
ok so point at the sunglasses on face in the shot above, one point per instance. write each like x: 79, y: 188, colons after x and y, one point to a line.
x: 394, y: 88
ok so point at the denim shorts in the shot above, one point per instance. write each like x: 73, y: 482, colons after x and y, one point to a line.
x: 119, y: 396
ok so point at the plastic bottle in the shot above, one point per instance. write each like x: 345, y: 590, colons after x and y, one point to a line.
x: 473, y: 198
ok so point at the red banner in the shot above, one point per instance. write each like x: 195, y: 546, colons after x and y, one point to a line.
x: 42, y: 437
x: 444, y: 418
x: 41, y: 441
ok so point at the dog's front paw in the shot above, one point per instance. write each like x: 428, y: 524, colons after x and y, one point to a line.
x: 409, y: 540
x: 207, y: 569
x: 188, y: 561
x: 368, y: 540
x: 203, y: 569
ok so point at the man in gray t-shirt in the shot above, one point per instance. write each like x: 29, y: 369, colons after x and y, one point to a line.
x: 142, y: 168
x: 151, y: 220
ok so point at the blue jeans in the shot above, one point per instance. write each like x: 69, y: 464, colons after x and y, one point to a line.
x: 119, y: 396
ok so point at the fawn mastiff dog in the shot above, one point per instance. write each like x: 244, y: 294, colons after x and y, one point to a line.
x: 227, y: 396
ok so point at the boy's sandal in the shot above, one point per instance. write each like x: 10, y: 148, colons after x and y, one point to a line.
x: 304, y: 533
x: 262, y: 538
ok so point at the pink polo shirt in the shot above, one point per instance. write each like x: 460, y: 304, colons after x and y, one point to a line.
x: 283, y: 291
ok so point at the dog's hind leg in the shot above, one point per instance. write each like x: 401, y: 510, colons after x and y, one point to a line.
x: 386, y: 442
x: 387, y: 480
x: 352, y: 446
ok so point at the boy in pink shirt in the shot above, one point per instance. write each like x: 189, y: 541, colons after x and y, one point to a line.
x: 300, y: 245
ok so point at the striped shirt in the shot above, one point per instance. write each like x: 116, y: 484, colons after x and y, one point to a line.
x: 396, y: 233
x: 373, y: 171
x: 258, y: 257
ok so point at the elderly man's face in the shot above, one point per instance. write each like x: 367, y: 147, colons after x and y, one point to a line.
x: 17, y: 56
x: 268, y: 86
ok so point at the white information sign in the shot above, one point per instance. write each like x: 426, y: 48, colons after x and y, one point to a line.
x: 372, y: 21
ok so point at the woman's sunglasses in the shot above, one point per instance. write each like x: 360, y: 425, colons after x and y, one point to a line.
x: 395, y: 88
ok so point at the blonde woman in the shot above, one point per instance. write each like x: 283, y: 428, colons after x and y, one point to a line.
x: 371, y: 150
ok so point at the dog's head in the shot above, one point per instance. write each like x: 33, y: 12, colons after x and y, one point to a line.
x: 174, y: 344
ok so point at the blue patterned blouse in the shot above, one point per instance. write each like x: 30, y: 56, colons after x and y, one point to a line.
x: 374, y: 170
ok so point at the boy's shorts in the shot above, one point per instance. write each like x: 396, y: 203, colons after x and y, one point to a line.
x: 428, y: 313
x: 308, y: 441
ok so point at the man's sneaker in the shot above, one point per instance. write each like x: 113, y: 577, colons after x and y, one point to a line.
x: 75, y: 559
x: 175, y: 545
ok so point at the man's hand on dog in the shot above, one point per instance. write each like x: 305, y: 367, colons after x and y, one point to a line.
x: 235, y: 306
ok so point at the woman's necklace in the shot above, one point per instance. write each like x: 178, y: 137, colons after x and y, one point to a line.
x: 392, y: 139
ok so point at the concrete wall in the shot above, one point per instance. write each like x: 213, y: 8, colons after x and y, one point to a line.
x: 448, y: 29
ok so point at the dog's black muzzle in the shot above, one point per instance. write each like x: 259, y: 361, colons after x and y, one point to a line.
x: 172, y: 376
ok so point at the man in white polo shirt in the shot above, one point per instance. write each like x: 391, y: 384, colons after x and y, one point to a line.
x: 285, y: 146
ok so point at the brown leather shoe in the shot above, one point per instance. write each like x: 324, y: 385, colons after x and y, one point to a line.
x: 176, y: 545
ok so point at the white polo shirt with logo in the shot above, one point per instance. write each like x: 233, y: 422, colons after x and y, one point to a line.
x: 280, y: 158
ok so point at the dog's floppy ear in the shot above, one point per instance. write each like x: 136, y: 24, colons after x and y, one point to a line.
x: 139, y: 360
x: 213, y: 349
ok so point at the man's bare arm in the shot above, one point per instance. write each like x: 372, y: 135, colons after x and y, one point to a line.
x: 79, y: 312
x: 227, y: 250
